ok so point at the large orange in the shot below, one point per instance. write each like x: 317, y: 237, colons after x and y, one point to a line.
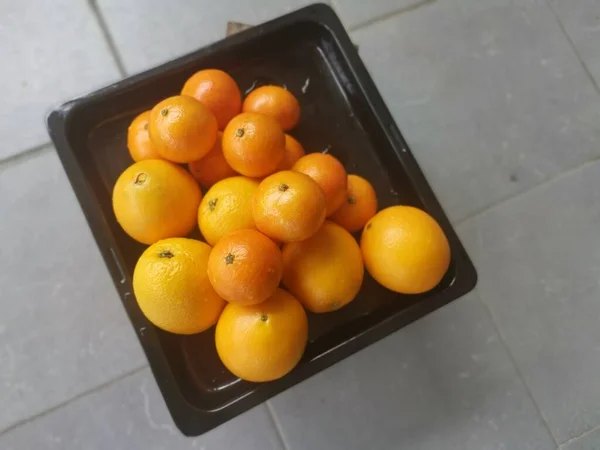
x: 138, y: 140
x: 182, y: 129
x: 324, y: 272
x: 262, y: 342
x: 359, y: 207
x: 227, y: 207
x: 245, y: 267
x: 155, y: 199
x: 218, y: 91
x: 212, y: 167
x: 171, y: 286
x: 293, y: 152
x: 405, y: 250
x: 276, y: 102
x: 253, y: 144
x: 288, y: 206
x: 329, y: 173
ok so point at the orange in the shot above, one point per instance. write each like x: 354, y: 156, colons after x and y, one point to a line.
x: 329, y: 173
x: 245, y: 267
x: 172, y: 288
x: 324, y: 272
x: 253, y: 144
x: 182, y: 129
x: 213, y: 167
x: 276, y: 102
x: 138, y: 140
x: 262, y: 342
x: 155, y: 199
x: 359, y: 207
x: 405, y: 250
x: 218, y: 91
x: 293, y: 152
x: 227, y: 207
x: 288, y: 206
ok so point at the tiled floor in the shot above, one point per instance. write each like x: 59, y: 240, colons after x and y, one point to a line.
x: 499, y: 101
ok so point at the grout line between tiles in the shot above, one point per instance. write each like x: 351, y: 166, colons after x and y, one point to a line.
x: 79, y: 396
x: 517, y: 369
x: 25, y: 155
x: 390, y: 14
x: 576, y: 438
x: 108, y: 37
x: 534, y: 188
x: 572, y: 44
x: 276, y: 425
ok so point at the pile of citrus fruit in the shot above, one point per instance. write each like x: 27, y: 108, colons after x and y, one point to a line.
x: 276, y: 222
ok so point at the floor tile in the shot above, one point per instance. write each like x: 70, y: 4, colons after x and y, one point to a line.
x: 581, y: 20
x: 131, y: 415
x: 589, y: 441
x: 442, y: 383
x: 148, y: 32
x: 51, y: 51
x: 63, y: 329
x: 354, y: 12
x: 488, y: 93
x: 538, y: 259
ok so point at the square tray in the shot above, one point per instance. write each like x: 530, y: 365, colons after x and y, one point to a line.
x: 310, y: 53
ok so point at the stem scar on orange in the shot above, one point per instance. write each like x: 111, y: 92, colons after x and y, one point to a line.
x: 182, y: 129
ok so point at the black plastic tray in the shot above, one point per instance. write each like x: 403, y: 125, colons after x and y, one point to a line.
x: 310, y: 53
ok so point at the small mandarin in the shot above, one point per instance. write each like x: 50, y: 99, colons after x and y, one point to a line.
x: 359, y: 207
x: 212, y: 167
x: 276, y: 102
x: 138, y: 140
x: 293, y: 152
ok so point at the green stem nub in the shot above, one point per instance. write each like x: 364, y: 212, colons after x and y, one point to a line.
x: 264, y: 318
x: 229, y: 259
x: 164, y: 111
x: 283, y: 187
x: 239, y: 132
x: 212, y: 204
x: 352, y: 200
x: 166, y: 254
x: 140, y: 178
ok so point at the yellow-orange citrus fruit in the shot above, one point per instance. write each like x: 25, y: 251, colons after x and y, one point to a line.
x: 171, y: 286
x: 227, y: 207
x: 218, y: 91
x: 138, y: 140
x: 324, y: 272
x: 288, y: 206
x: 213, y: 167
x: 405, y: 250
x: 262, y: 342
x: 276, y: 102
x: 293, y: 152
x: 182, y: 129
x: 329, y: 173
x: 155, y: 199
x: 245, y: 267
x: 359, y: 207
x: 253, y: 144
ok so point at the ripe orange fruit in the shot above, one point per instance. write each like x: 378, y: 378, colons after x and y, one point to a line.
x: 253, y: 144
x: 329, y: 173
x: 155, y: 199
x: 138, y: 140
x: 288, y: 206
x: 172, y: 289
x: 276, y: 102
x: 218, y: 91
x: 182, y: 129
x: 245, y: 267
x: 324, y: 272
x: 405, y: 250
x: 227, y: 207
x: 262, y: 342
x: 293, y: 152
x: 213, y: 167
x: 359, y: 207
